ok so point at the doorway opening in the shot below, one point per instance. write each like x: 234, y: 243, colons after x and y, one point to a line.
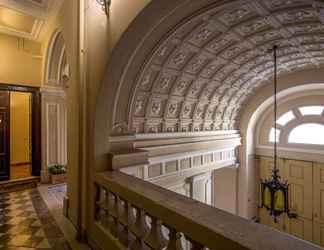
x: 20, y: 135
x: 20, y: 148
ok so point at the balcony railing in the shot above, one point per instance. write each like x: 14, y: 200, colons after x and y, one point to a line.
x: 135, y: 214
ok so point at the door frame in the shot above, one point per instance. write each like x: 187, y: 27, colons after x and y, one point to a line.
x: 35, y: 122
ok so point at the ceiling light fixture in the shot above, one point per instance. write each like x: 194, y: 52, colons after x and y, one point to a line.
x: 105, y: 4
x: 274, y: 192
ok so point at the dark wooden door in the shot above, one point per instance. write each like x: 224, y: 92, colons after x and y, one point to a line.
x: 4, y: 135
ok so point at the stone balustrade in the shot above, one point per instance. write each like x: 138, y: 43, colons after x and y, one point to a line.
x: 135, y: 214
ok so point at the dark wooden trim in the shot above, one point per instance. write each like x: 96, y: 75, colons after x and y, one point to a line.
x: 18, y: 88
x: 20, y: 164
x: 5, y: 174
x: 36, y: 134
x: 35, y: 122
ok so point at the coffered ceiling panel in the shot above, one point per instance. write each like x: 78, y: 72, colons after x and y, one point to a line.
x: 200, y: 75
x: 27, y: 19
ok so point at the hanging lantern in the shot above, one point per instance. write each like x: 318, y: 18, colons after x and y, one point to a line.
x: 274, y: 192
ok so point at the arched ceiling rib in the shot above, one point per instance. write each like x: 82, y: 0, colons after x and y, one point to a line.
x: 198, y: 77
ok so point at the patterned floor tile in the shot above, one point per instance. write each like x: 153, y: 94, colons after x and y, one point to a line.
x: 26, y: 223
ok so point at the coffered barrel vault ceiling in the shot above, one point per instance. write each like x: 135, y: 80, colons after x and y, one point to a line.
x: 198, y: 77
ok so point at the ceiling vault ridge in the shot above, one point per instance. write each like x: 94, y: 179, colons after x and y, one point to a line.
x: 199, y: 77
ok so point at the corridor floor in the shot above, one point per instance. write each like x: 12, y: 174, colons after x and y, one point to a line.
x: 27, y: 224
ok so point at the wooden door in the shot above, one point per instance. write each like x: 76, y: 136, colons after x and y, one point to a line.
x: 299, y: 227
x: 300, y: 178
x: 318, y: 235
x: 4, y: 135
x: 299, y: 175
x: 318, y: 201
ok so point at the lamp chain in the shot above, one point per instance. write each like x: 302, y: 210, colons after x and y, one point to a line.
x: 275, y: 168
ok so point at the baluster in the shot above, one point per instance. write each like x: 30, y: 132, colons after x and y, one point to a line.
x: 105, y: 206
x: 174, y: 240
x: 112, y: 211
x: 99, y: 209
x: 123, y: 220
x: 155, y: 239
x: 194, y: 245
x: 137, y: 227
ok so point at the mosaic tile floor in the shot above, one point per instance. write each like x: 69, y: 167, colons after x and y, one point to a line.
x: 26, y: 223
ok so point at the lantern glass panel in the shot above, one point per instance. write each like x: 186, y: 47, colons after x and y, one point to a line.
x: 267, y: 197
x: 279, y: 201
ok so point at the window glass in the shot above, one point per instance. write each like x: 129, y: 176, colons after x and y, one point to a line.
x: 287, y: 117
x: 311, y: 110
x: 309, y: 133
x: 272, y: 135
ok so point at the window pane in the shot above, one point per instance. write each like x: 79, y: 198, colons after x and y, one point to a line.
x: 272, y: 135
x: 284, y: 119
x: 310, y: 133
x: 311, y: 110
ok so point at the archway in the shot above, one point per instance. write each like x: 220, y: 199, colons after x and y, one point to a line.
x: 291, y: 86
x: 54, y: 121
x: 191, y: 67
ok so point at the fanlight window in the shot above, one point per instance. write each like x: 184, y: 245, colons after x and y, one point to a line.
x: 287, y: 117
x: 272, y: 135
x: 309, y: 133
x: 311, y: 110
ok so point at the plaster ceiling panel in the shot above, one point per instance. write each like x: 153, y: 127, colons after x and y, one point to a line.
x: 221, y: 42
x: 296, y: 16
x: 164, y: 82
x: 275, y: 5
x: 253, y: 26
x: 204, y: 33
x: 182, y: 84
x: 209, y: 65
x: 240, y: 14
x: 15, y: 20
x: 29, y: 18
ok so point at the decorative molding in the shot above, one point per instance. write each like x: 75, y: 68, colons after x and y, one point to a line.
x: 44, y: 13
x: 199, y: 76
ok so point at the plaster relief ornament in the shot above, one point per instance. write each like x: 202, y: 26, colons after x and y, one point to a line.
x: 163, y: 52
x: 197, y: 65
x: 194, y: 91
x: 179, y: 59
x: 165, y: 83
x: 218, y: 44
x: 172, y: 109
x: 283, y: 3
x: 186, y: 110
x: 235, y: 15
x: 300, y: 15
x: 219, y: 114
x: 202, y: 35
x: 209, y: 113
x: 181, y: 87
x: 199, y: 112
x: 139, y: 106
x: 156, y: 108
x: 146, y: 81
x: 254, y: 26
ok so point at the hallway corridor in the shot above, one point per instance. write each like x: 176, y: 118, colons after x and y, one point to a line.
x: 26, y: 223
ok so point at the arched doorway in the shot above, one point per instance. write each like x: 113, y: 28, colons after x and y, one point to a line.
x: 54, y: 110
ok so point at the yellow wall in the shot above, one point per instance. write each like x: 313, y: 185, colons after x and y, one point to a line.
x: 20, y: 61
x: 19, y: 127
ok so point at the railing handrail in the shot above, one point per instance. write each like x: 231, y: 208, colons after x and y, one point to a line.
x: 211, y: 227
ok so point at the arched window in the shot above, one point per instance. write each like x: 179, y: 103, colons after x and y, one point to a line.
x: 308, y: 133
x: 300, y: 125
